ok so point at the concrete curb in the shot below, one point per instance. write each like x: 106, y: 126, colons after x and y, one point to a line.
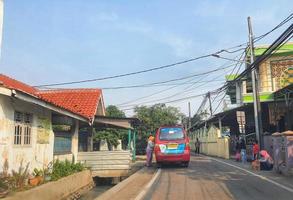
x: 108, y: 194
x: 142, y: 194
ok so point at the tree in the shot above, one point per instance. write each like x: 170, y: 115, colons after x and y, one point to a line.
x: 112, y: 135
x: 157, y: 115
x: 152, y: 118
x: 113, y: 111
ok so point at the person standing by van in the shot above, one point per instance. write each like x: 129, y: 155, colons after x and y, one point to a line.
x: 150, y: 150
x: 197, y: 146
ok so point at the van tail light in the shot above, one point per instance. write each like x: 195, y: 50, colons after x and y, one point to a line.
x: 157, y: 148
x: 187, y: 146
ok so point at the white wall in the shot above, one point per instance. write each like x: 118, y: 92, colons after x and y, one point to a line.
x: 38, y: 155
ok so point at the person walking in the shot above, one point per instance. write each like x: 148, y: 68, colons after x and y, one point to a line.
x: 238, y: 149
x: 255, y: 150
x: 149, y: 150
x: 243, y: 150
x: 197, y: 146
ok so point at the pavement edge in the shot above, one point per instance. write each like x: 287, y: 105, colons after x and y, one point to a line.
x: 142, y: 194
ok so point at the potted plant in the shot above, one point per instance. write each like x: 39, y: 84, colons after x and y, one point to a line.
x: 33, y: 181
x: 47, y: 175
x: 37, y: 177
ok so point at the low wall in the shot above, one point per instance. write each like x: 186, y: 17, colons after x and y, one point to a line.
x: 219, y: 148
x: 56, y: 189
x: 106, y: 163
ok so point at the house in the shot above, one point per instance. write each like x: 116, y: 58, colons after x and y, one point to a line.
x: 276, y: 96
x: 275, y: 74
x: 28, y: 116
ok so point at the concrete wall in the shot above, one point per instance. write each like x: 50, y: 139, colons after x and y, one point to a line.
x: 106, y: 163
x: 211, y: 142
x: 57, y: 189
x: 37, y: 154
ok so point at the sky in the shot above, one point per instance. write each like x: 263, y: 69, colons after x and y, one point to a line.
x: 61, y: 41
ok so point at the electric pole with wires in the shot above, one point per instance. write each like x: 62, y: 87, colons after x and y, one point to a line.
x: 255, y: 88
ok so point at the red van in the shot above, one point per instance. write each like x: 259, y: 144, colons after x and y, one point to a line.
x: 172, y: 145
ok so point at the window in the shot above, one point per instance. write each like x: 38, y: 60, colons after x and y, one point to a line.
x: 62, y: 142
x: 22, y: 128
x: 171, y: 133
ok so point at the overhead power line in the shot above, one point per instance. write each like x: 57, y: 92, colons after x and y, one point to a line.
x: 168, y: 97
x: 167, y: 89
x: 127, y: 74
x: 279, y: 42
x: 172, y: 101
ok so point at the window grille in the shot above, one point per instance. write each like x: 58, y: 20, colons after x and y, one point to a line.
x: 22, y: 128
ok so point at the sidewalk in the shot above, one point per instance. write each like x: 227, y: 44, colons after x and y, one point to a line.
x: 272, y: 175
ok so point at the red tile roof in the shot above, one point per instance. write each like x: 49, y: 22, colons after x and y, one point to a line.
x: 16, y: 85
x: 83, y: 102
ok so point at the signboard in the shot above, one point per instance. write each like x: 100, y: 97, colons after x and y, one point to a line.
x: 43, y: 130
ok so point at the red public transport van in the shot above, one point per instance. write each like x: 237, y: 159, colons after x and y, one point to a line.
x: 172, y: 145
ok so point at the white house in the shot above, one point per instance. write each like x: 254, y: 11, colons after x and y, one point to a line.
x: 27, y: 118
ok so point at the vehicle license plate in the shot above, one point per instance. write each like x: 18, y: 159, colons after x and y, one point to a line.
x: 172, y: 146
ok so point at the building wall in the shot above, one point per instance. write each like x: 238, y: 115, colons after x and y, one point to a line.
x: 273, y: 75
x: 211, y: 142
x: 40, y: 152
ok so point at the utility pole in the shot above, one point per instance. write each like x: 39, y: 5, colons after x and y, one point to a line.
x: 1, y: 23
x: 255, y: 88
x: 189, y: 116
x: 211, y: 109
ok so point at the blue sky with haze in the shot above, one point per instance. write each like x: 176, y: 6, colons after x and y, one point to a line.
x: 67, y: 40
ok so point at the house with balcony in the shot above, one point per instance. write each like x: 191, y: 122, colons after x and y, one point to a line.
x: 275, y: 79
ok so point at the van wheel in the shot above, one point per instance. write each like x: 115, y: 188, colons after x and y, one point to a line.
x: 185, y: 164
x: 159, y: 165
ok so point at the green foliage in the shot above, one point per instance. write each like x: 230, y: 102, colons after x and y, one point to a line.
x: 157, y: 115
x: 113, y: 111
x: 112, y: 135
x: 38, y: 172
x: 152, y: 118
x: 65, y: 168
x: 4, y: 182
x: 19, y: 178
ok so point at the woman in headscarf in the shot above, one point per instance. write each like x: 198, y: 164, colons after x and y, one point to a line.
x: 149, y: 150
x: 266, y: 161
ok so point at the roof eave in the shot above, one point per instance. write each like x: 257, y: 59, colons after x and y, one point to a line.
x: 32, y: 99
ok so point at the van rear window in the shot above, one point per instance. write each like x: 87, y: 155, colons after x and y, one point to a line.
x: 174, y: 133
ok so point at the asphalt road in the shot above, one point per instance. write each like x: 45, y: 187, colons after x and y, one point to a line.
x: 208, y: 179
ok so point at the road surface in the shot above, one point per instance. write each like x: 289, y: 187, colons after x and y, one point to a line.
x: 207, y: 178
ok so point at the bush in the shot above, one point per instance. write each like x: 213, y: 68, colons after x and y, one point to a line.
x: 65, y: 168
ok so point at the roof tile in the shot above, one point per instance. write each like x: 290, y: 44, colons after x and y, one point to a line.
x: 83, y: 102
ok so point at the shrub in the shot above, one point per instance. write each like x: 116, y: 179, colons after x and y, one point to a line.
x: 65, y: 168
x: 19, y: 178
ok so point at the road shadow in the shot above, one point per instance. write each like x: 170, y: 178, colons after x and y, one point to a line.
x: 237, y: 183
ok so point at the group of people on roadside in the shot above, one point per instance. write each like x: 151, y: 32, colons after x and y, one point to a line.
x: 266, y: 161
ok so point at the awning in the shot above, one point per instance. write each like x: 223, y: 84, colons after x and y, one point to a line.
x: 126, y: 123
